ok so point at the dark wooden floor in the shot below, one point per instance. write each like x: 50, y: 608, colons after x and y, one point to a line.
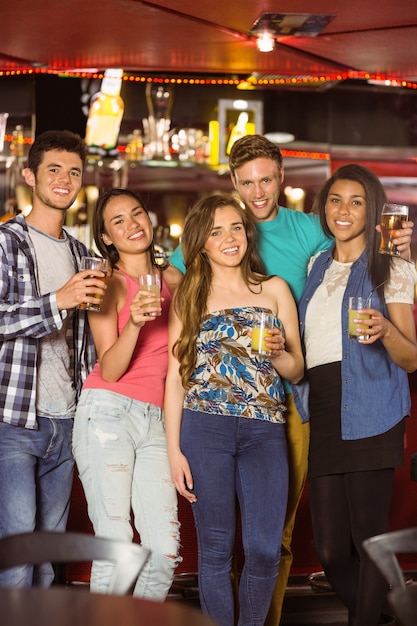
x: 303, y: 606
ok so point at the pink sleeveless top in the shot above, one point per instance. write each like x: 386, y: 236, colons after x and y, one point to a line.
x: 144, y: 379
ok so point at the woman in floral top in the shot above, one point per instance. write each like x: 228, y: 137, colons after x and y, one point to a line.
x: 224, y: 407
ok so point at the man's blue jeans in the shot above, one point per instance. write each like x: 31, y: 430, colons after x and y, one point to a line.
x: 229, y: 457
x: 36, y: 474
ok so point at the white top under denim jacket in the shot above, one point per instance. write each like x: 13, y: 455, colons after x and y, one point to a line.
x: 375, y: 391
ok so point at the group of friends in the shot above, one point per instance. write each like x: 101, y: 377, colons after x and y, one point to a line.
x: 152, y: 397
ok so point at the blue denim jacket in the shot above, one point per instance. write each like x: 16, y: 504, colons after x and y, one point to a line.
x: 375, y: 391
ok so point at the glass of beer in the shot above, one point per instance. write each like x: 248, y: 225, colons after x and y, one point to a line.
x: 152, y: 283
x: 392, y: 217
x: 94, y: 263
x: 262, y: 323
x: 357, y: 330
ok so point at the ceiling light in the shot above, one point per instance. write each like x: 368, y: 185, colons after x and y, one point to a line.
x: 265, y: 41
x: 291, y: 24
x: 240, y: 105
x: 280, y: 137
x: 384, y: 83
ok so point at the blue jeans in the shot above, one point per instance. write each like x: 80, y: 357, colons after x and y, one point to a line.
x: 120, y: 450
x: 229, y: 457
x: 36, y: 474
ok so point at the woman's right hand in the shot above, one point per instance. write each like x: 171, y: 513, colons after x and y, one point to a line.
x: 181, y: 476
x: 140, y: 314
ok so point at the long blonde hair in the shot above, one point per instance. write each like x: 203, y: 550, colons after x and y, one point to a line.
x: 192, y: 294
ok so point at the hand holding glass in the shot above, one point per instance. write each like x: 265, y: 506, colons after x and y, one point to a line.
x: 392, y: 216
x: 262, y: 323
x: 151, y: 283
x: 94, y: 263
x: 356, y: 330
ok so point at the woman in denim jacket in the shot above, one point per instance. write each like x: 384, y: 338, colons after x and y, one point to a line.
x: 358, y: 392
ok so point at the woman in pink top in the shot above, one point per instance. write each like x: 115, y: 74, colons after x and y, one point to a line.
x: 119, y: 434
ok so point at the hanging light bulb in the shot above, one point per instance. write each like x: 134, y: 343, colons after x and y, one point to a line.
x: 265, y: 41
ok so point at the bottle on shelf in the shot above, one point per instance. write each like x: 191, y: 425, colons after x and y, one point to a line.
x: 134, y: 148
x: 3, y: 124
x: 240, y: 129
x: 17, y: 144
x: 106, y: 112
x: 213, y: 138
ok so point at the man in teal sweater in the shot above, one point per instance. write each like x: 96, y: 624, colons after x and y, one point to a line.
x: 287, y: 241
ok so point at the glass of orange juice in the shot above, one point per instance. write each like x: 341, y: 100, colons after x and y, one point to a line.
x: 357, y: 330
x: 262, y: 323
x: 151, y: 283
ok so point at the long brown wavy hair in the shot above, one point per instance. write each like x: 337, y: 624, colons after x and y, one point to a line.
x: 192, y: 294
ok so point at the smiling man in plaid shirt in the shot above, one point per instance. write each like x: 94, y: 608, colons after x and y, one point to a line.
x: 46, y: 349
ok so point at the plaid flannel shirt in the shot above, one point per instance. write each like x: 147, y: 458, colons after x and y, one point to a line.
x: 26, y: 317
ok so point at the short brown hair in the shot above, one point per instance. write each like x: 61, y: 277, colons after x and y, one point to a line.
x: 63, y: 140
x: 252, y: 147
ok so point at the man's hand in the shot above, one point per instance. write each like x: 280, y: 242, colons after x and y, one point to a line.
x: 85, y: 286
x: 403, y: 239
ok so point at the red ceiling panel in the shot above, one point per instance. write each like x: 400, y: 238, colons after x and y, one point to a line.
x: 184, y: 36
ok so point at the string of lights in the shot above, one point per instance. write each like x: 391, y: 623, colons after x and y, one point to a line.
x: 209, y: 80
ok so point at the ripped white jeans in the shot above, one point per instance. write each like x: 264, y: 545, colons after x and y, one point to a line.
x: 119, y: 445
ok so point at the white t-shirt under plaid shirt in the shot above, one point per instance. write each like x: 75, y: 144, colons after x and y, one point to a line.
x: 55, y: 394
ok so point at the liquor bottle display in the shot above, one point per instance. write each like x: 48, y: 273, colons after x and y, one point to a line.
x: 106, y: 112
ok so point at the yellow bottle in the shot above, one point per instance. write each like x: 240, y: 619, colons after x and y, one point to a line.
x: 214, y: 142
x: 240, y: 129
x: 106, y: 112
